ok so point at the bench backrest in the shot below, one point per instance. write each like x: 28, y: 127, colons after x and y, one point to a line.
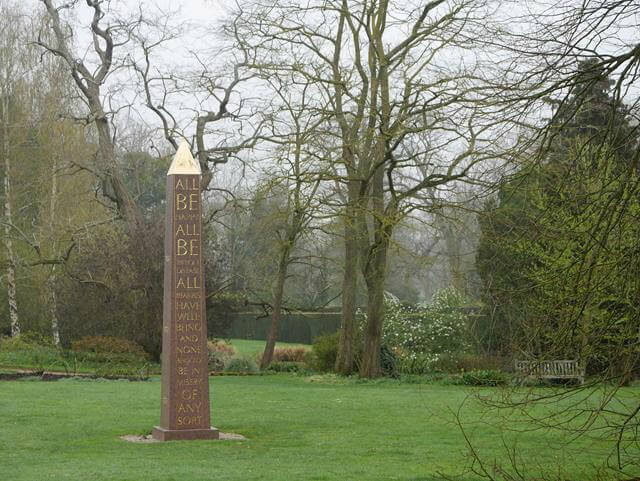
x: 550, y: 368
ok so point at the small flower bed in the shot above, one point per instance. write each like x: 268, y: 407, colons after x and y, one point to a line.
x: 289, y: 354
x: 220, y: 353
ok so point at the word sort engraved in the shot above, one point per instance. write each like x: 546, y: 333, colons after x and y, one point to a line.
x: 189, y: 420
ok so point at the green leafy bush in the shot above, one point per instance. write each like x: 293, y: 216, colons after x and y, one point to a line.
x: 387, y: 361
x: 241, y: 365
x: 34, y: 352
x: 219, y: 354
x: 455, y: 363
x: 414, y: 363
x: 309, y: 359
x: 483, y: 377
x: 288, y: 366
x: 419, y: 335
x: 130, y: 260
x: 139, y: 371
x: 108, y: 345
x: 36, y: 339
x: 25, y: 351
x: 325, y: 351
x: 25, y: 342
x: 438, y: 328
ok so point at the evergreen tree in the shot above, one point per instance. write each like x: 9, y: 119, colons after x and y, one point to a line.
x: 594, y: 116
x: 556, y: 248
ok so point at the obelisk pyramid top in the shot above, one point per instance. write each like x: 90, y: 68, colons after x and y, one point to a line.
x: 183, y: 162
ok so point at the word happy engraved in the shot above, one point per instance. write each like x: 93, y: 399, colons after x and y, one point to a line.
x: 185, y: 380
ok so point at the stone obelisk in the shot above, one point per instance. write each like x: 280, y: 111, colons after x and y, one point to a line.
x: 185, y: 380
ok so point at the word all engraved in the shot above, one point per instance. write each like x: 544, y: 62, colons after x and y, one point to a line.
x: 185, y: 381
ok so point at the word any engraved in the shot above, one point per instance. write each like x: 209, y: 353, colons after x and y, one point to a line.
x: 185, y: 380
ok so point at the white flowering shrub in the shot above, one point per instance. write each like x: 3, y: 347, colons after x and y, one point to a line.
x: 421, y: 334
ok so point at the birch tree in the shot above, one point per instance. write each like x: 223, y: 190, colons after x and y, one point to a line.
x: 33, y: 98
x: 13, y: 75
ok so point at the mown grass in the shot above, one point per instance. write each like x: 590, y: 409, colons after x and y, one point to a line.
x: 318, y: 428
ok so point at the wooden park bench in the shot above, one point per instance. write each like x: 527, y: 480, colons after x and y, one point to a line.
x: 565, y: 369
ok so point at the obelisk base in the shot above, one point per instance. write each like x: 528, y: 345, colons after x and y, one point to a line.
x: 162, y: 434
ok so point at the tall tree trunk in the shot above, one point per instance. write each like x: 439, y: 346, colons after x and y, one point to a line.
x: 52, y: 304
x: 90, y: 80
x: 374, y: 278
x: 112, y: 185
x: 278, y: 292
x: 345, y: 359
x: 454, y: 252
x: 50, y: 284
x: 374, y: 267
x: 8, y: 221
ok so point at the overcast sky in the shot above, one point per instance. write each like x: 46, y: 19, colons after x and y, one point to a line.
x: 177, y: 54
x: 193, y: 9
x: 199, y: 13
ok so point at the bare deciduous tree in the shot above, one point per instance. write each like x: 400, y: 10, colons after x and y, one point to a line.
x: 12, y: 74
x: 211, y: 89
x: 384, y: 71
x: 295, y: 132
x: 90, y: 82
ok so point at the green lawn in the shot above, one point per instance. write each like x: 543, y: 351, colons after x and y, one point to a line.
x: 297, y: 430
x: 249, y: 347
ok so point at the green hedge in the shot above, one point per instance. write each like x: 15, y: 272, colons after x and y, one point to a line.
x: 295, y: 328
